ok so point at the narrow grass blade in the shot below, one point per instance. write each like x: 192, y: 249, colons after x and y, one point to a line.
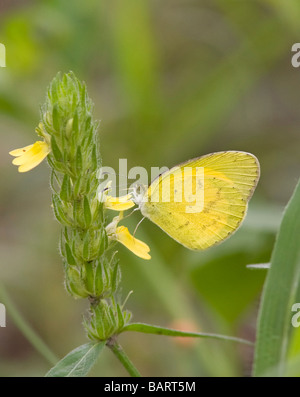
x: 25, y: 328
x: 78, y: 362
x: 153, y: 329
x: 274, y: 320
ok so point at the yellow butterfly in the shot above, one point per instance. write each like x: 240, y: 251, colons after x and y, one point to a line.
x: 224, y: 180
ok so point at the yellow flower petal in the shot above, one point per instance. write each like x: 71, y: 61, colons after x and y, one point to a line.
x: 30, y: 156
x: 35, y: 161
x: 136, y: 246
x: 19, y: 152
x: 37, y: 149
x: 122, y: 203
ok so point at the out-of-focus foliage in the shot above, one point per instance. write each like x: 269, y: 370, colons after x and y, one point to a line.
x: 171, y: 80
x: 277, y: 334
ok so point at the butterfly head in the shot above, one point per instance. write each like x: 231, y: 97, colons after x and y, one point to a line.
x: 138, y: 194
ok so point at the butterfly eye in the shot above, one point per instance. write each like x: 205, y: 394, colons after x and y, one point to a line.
x: 138, y: 191
x: 141, y: 190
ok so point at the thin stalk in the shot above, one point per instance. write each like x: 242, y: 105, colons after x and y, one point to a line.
x: 25, y: 328
x: 122, y: 356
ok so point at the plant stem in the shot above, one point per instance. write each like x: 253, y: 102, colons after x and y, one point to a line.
x: 122, y: 356
x: 26, y: 330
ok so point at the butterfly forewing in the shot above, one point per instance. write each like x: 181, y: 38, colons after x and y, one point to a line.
x: 226, y: 183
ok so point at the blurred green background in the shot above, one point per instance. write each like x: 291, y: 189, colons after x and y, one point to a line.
x: 171, y: 80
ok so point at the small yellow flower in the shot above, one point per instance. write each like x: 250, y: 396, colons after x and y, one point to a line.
x: 122, y: 235
x: 122, y: 203
x: 30, y: 156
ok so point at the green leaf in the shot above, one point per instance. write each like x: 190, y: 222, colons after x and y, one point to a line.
x: 54, y: 182
x: 70, y: 258
x: 77, y: 212
x: 59, y: 211
x: 115, y: 277
x: 78, y: 160
x: 88, y: 122
x: 293, y: 362
x: 66, y: 191
x: 94, y: 160
x: 100, y: 280
x: 274, y: 320
x: 75, y: 122
x: 78, y: 362
x: 103, y: 243
x: 86, y: 251
x: 55, y: 114
x: 55, y: 150
x: 87, y: 212
x: 90, y: 278
x: 153, y: 329
x: 74, y: 282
